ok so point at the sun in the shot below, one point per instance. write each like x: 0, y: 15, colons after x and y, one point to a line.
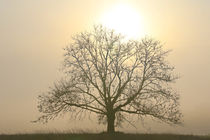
x: 124, y: 19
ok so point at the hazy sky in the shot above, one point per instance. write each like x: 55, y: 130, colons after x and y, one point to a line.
x: 33, y: 33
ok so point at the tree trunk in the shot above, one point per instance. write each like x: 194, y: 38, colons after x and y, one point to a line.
x: 110, y: 122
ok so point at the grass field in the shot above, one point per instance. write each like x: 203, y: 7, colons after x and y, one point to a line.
x: 102, y: 136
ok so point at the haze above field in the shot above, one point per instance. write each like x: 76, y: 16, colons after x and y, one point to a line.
x: 33, y: 33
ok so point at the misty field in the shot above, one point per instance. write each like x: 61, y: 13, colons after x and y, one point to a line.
x: 88, y: 136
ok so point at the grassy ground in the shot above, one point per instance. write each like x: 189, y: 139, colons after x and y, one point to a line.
x: 102, y: 136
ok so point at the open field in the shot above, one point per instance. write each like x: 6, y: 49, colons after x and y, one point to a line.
x: 104, y: 136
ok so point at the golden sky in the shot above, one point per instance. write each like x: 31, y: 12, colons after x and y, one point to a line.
x: 33, y: 33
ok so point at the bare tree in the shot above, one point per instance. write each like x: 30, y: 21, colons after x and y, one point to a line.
x: 112, y: 77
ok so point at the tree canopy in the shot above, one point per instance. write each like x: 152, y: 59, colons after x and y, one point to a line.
x: 113, y: 77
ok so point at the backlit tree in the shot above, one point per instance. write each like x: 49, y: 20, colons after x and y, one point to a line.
x: 113, y: 77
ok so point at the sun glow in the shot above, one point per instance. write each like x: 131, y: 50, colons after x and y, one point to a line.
x: 125, y: 20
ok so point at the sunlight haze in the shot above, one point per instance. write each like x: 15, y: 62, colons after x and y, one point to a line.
x: 33, y: 34
x: 124, y: 19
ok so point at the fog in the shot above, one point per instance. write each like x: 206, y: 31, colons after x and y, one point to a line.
x: 34, y: 33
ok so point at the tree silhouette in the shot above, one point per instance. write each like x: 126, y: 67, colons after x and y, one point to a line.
x: 112, y: 77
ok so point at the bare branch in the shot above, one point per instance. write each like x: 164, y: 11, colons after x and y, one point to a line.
x: 112, y: 77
